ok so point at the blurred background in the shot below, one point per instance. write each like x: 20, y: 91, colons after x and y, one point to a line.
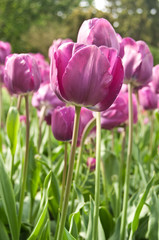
x: 32, y: 25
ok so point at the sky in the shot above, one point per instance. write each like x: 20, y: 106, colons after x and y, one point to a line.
x: 99, y: 4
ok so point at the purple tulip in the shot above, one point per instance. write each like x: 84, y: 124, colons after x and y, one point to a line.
x: 1, y: 73
x: 43, y: 66
x: 85, y: 116
x: 45, y: 96
x: 118, y: 114
x: 137, y: 62
x: 148, y: 98
x: 91, y: 163
x: 86, y: 75
x: 21, y: 74
x: 155, y: 78
x: 62, y: 121
x: 5, y: 50
x: 99, y: 32
x: 56, y: 44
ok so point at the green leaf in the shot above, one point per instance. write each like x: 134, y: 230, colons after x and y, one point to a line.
x: 7, y: 194
x: 42, y: 214
x: 140, y: 205
x: 40, y: 224
x: 12, y: 125
x: 106, y: 221
x: 153, y: 224
x: 3, y: 232
x: 67, y: 235
x: 75, y: 221
x: 90, y: 223
x: 33, y: 171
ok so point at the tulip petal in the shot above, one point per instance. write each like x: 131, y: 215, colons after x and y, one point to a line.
x: 59, y: 62
x: 86, y: 77
x: 114, y: 88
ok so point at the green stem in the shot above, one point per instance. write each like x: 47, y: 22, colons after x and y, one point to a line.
x: 97, y: 177
x: 104, y: 181
x: 64, y: 175
x: 19, y: 102
x: 49, y: 146
x: 151, y: 130
x: 112, y: 133
x: 129, y: 156
x: 69, y: 175
x: 42, y: 115
x: 25, y: 168
x: 121, y: 170
x: 91, y: 124
x: 12, y: 167
x: 63, y: 188
x: 0, y: 104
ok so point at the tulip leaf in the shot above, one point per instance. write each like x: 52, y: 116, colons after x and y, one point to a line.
x: 3, y: 232
x: 67, y: 235
x: 12, y: 125
x: 153, y: 224
x: 106, y: 221
x: 42, y: 214
x: 8, y: 200
x: 140, y: 205
x: 33, y: 171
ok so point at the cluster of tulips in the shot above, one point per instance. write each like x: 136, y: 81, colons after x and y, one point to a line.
x: 102, y: 81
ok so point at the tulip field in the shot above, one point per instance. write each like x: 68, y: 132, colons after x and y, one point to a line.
x: 79, y: 139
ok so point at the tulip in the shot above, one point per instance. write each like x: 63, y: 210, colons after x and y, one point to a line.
x: 5, y: 50
x: 117, y: 114
x: 99, y: 32
x: 85, y: 116
x: 56, y: 44
x: 43, y: 66
x: 46, y: 97
x: 21, y: 74
x: 1, y: 73
x: 148, y: 98
x: 86, y: 75
x: 155, y: 78
x: 91, y: 163
x: 62, y: 123
x: 22, y: 118
x: 137, y: 62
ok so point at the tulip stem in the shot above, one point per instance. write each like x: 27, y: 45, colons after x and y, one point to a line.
x: 121, y: 167
x: 69, y: 175
x: 19, y: 102
x: 12, y: 168
x: 63, y: 188
x: 25, y: 168
x: 151, y: 130
x: 0, y: 104
x: 64, y: 175
x: 42, y: 115
x: 91, y: 124
x: 97, y: 177
x: 127, y: 176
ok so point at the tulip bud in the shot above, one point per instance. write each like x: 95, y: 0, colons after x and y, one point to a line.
x: 12, y: 124
x: 99, y: 32
x: 117, y: 114
x: 21, y: 74
x: 148, y: 98
x: 155, y: 78
x: 86, y: 75
x: 62, y: 123
x: 56, y: 44
x: 137, y: 61
x: 91, y: 163
x: 5, y: 50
